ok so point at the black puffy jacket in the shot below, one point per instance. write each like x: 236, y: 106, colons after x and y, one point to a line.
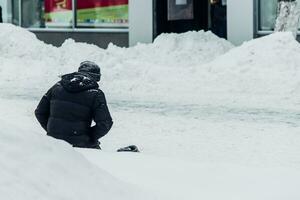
x: 66, y: 111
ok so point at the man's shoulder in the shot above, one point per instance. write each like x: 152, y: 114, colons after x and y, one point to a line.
x: 57, y: 84
x: 96, y: 91
x: 98, y: 95
x: 55, y: 87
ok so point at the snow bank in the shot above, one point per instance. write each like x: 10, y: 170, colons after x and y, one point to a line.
x: 18, y: 42
x: 161, y: 71
x: 178, y: 179
x: 149, y: 71
x: 30, y: 65
x: 267, y: 65
x: 200, y: 68
x: 193, y: 67
x: 36, y: 167
x: 175, y: 50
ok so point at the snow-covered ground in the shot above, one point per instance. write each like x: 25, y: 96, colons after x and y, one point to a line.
x: 213, y: 121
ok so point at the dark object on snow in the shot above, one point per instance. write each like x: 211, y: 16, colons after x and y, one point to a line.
x: 66, y: 111
x: 131, y: 148
x: 219, y: 19
x: 1, y: 20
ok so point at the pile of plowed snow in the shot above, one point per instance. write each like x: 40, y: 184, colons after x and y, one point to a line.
x: 263, y: 72
x: 28, y: 64
x: 268, y: 65
x: 194, y: 67
x: 18, y: 42
x: 36, y: 167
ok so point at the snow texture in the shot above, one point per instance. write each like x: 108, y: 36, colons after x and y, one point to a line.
x: 206, y: 115
x: 37, y: 167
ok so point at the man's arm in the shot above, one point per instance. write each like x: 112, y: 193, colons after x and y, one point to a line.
x: 42, y: 111
x: 101, y: 117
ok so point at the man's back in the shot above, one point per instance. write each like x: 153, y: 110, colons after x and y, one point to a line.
x: 67, y: 110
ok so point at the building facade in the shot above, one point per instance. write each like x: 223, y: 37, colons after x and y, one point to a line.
x: 127, y: 22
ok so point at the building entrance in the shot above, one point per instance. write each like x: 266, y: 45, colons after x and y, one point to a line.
x: 178, y: 16
x: 218, y: 17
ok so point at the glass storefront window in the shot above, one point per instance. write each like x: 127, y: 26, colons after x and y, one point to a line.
x: 16, y: 12
x: 268, y: 12
x: 102, y: 13
x: 58, y: 13
x: 33, y: 13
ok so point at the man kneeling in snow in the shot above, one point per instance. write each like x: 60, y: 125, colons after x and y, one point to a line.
x: 66, y: 111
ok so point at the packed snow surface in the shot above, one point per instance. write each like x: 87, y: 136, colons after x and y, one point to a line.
x: 206, y: 115
x: 34, y: 167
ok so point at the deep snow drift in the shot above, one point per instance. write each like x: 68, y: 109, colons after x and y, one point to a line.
x: 141, y: 70
x: 191, y: 96
x: 175, y: 68
x: 267, y: 66
x: 36, y: 167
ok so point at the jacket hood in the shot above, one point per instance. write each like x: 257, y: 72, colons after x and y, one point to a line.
x: 78, y: 82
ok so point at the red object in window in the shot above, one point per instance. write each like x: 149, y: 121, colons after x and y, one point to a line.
x: 83, y: 4
x: 57, y: 5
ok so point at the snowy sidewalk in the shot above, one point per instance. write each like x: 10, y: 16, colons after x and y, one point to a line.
x: 175, y: 179
x: 213, y: 121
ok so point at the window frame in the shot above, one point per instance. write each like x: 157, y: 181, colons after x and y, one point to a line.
x: 258, y: 31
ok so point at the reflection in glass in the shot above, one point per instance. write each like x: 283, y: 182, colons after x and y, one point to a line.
x: 58, y: 13
x: 16, y: 12
x: 102, y: 13
x: 268, y: 10
x: 44, y: 13
x: 33, y: 13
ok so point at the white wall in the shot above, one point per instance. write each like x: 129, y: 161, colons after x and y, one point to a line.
x: 140, y: 21
x: 240, y: 20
